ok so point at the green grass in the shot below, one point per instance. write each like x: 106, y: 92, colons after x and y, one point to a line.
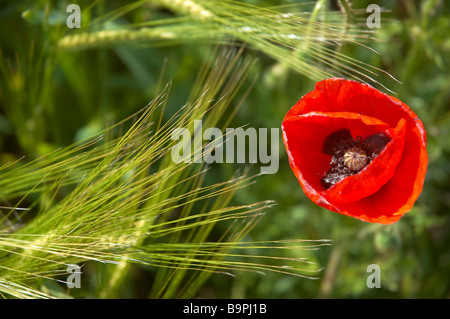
x: 86, y: 175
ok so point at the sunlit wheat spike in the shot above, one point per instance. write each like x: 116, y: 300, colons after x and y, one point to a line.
x: 126, y: 203
x: 304, y: 41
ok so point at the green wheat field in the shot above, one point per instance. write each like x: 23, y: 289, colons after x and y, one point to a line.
x: 87, y: 112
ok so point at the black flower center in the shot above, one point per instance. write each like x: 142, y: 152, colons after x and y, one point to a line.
x: 348, y: 155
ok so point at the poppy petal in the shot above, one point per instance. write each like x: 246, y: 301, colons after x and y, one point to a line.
x: 374, y: 175
x: 309, y: 132
x: 388, y: 186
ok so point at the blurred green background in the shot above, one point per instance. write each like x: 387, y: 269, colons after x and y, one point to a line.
x: 93, y: 88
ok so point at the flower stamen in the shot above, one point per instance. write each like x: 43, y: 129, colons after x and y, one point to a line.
x: 349, y: 155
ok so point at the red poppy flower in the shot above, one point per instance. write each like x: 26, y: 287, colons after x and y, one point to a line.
x: 356, y: 150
